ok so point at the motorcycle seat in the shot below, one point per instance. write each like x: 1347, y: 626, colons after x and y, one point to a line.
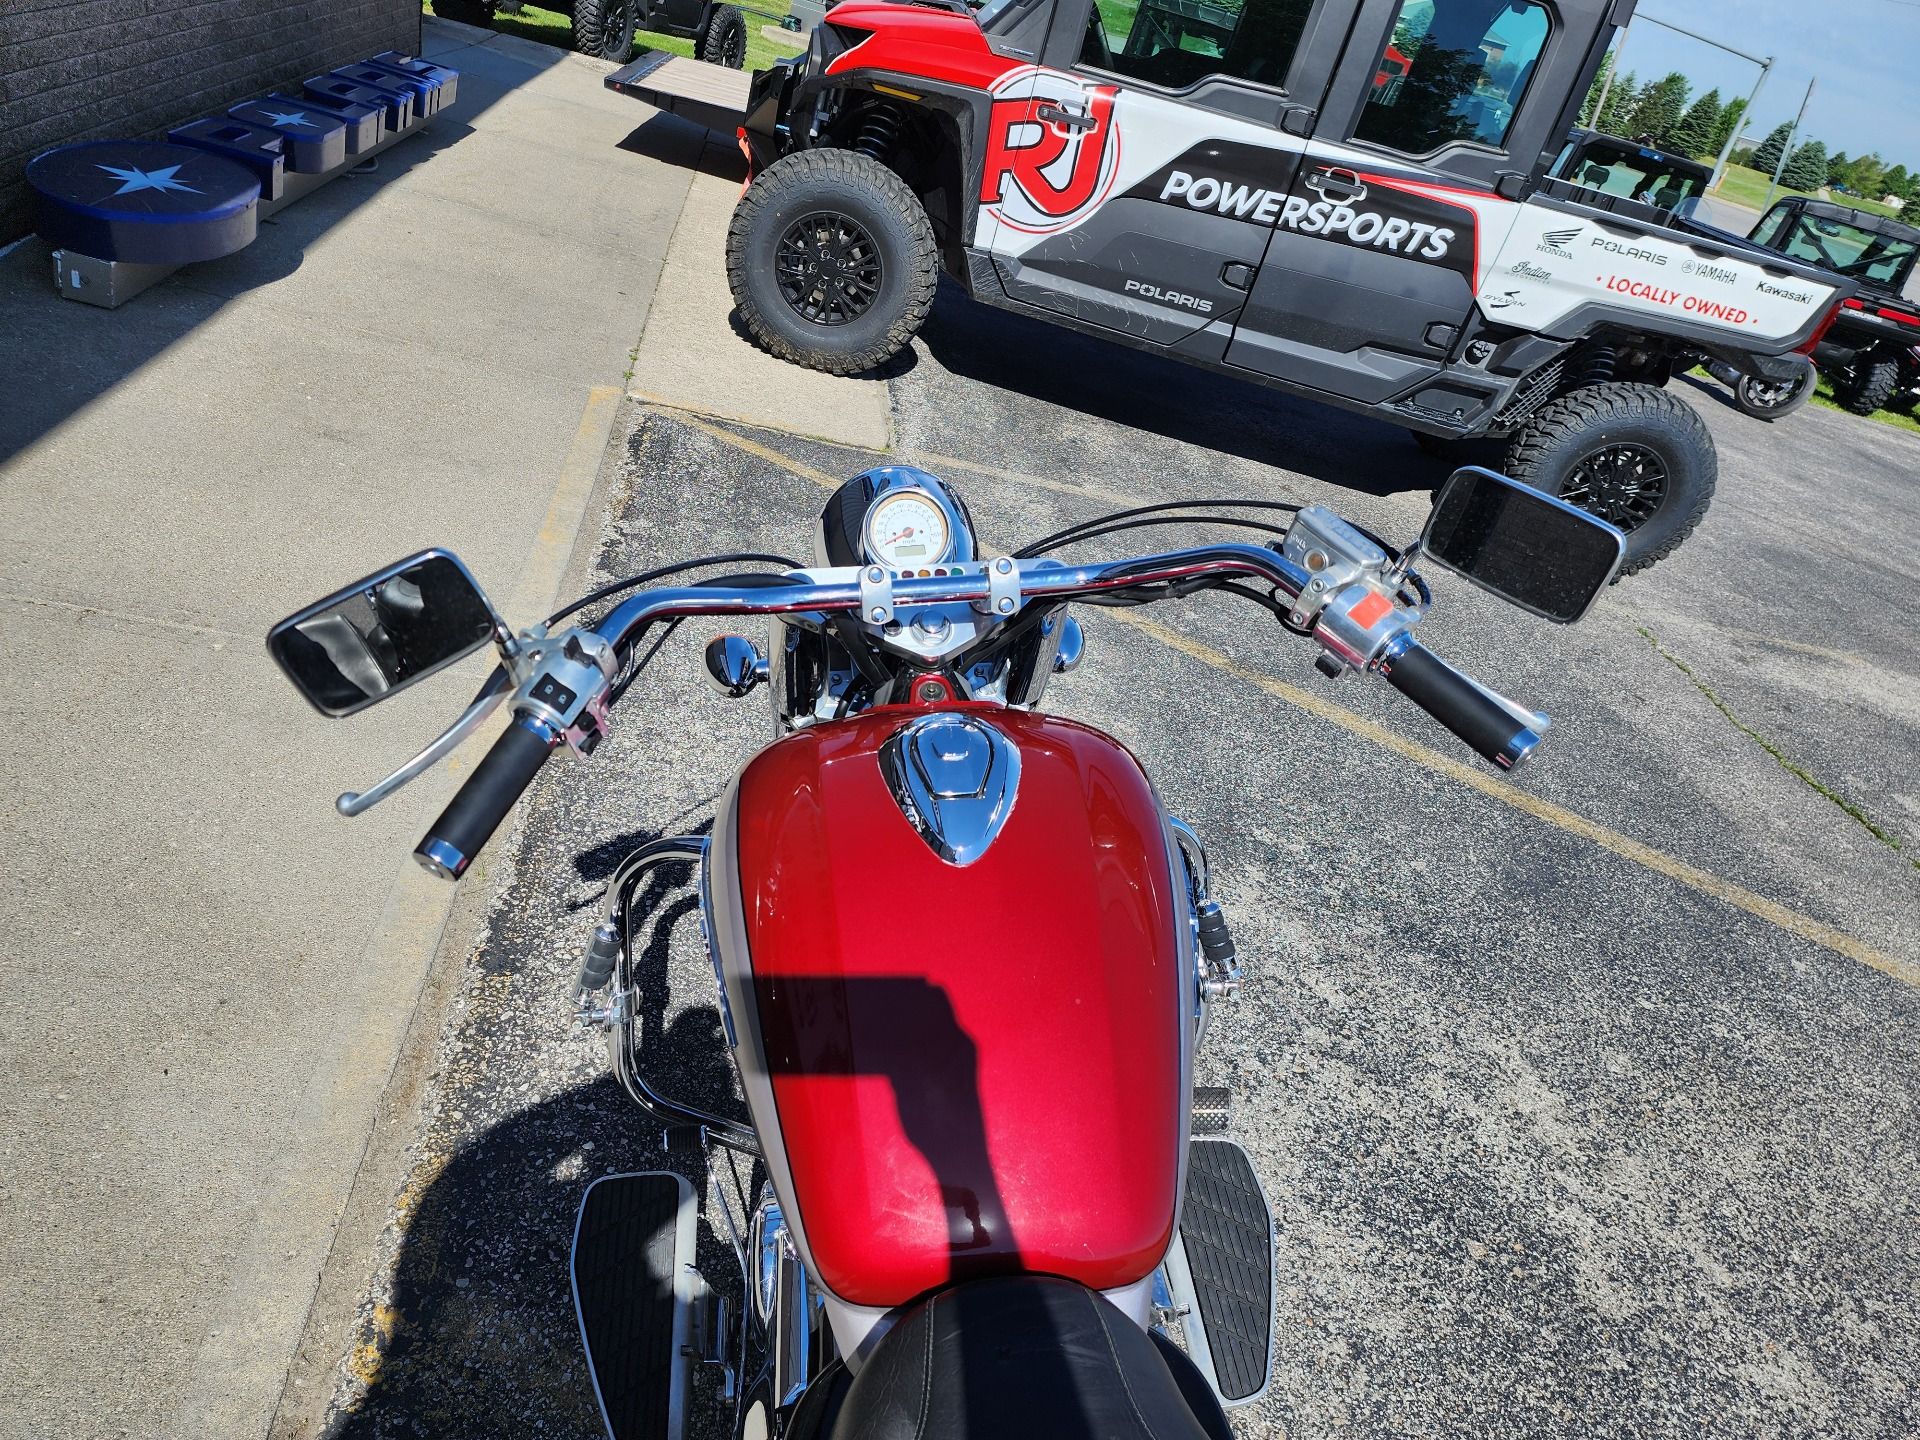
x: 1025, y: 1356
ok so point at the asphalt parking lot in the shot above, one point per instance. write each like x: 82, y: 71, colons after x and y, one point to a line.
x: 1585, y: 1098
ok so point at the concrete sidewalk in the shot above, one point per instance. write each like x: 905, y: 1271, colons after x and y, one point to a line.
x: 208, y: 974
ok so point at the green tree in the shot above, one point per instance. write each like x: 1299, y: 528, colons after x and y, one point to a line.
x: 1770, y: 149
x: 1864, y: 176
x: 1728, y: 122
x: 1694, y: 133
x: 1620, y: 102
x: 1837, y: 166
x: 1660, y: 108
x: 1807, y: 169
x: 1898, y: 182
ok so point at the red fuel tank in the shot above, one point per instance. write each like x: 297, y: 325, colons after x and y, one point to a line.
x: 965, y: 1065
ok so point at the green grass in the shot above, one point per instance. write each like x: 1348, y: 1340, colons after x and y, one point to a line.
x: 1823, y: 398
x: 1748, y: 187
x: 1899, y: 419
x: 554, y: 27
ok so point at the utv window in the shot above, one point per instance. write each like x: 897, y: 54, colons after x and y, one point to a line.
x: 1452, y: 70
x: 1177, y: 42
x: 1635, y: 175
x: 1835, y: 245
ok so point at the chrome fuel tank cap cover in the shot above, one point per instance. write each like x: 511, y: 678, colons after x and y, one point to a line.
x: 954, y: 778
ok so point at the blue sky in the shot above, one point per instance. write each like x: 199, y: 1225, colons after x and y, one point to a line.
x: 1866, y: 54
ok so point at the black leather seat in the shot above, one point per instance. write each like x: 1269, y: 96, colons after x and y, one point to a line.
x: 1025, y: 1356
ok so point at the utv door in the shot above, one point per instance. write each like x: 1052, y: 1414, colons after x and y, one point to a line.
x: 1435, y: 115
x: 1131, y: 181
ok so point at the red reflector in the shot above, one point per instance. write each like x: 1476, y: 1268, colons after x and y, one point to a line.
x: 1904, y: 319
x: 1370, y: 611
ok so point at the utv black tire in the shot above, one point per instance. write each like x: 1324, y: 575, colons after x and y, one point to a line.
x: 604, y: 28
x: 1766, y: 401
x: 1601, y: 448
x: 724, y: 40
x: 466, y: 12
x: 877, y: 227
x: 1870, y: 386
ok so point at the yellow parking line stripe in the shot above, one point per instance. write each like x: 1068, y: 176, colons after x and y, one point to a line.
x: 1558, y: 816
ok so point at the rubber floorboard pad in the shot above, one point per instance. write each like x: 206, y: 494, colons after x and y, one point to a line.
x: 1229, y: 1240
x: 623, y: 1276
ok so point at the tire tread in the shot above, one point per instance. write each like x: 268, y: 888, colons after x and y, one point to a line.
x: 1873, y: 389
x: 711, y: 45
x: 1619, y: 403
x: 851, y: 170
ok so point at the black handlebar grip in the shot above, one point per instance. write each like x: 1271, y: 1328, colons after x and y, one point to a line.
x: 1488, y: 729
x: 484, y: 801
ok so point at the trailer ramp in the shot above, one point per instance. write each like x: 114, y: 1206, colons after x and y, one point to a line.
x: 710, y: 95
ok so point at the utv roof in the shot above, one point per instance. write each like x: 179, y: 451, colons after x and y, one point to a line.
x: 1862, y: 220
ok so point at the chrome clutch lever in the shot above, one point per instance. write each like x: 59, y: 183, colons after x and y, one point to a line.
x: 498, y: 686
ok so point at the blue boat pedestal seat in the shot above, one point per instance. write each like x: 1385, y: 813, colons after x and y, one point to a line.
x: 365, y: 124
x: 260, y: 151
x: 395, y: 105
x: 312, y: 140
x: 124, y: 214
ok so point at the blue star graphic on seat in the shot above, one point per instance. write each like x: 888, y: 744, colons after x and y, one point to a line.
x: 289, y: 117
x: 161, y: 179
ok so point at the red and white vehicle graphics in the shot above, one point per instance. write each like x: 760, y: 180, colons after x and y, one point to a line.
x: 1059, y: 146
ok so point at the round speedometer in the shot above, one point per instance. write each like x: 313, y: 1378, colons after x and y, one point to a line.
x: 907, y: 528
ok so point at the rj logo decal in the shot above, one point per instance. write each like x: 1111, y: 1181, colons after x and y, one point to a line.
x: 1051, y: 154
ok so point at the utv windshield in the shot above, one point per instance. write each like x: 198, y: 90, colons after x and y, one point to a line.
x: 1849, y: 250
x: 1635, y: 174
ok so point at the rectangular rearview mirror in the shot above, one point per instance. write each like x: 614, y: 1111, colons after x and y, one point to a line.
x: 379, y: 635
x: 1527, y: 547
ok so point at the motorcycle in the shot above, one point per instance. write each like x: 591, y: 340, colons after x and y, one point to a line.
x: 994, y: 1203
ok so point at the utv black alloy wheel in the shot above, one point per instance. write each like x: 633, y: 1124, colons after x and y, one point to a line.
x: 829, y: 268
x: 723, y: 41
x: 604, y: 28
x: 1641, y: 459
x: 832, y: 261
x: 1772, y: 399
x: 1625, y: 485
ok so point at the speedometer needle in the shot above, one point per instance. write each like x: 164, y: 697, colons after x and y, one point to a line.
x: 903, y: 535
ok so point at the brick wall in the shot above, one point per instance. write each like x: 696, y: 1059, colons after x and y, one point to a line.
x: 132, y: 69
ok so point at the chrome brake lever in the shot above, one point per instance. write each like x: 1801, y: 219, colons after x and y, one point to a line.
x: 498, y: 686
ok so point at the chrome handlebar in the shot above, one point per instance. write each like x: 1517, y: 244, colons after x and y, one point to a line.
x: 984, y: 586
x: 1343, y: 592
